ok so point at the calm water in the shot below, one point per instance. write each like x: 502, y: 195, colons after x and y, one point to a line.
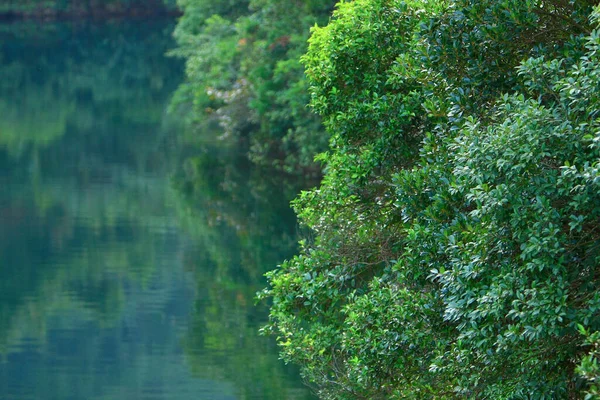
x: 129, y: 259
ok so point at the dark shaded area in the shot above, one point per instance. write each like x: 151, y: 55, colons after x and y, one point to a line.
x: 13, y: 10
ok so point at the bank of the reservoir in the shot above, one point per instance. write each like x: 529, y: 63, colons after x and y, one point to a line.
x: 70, y: 9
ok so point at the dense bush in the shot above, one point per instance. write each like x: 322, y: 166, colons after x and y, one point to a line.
x: 456, y: 239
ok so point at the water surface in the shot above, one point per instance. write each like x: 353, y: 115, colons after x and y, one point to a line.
x: 128, y: 259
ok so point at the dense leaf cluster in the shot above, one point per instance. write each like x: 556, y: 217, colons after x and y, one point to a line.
x: 244, y: 73
x: 456, y: 234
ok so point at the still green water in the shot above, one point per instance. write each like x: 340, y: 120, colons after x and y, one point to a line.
x: 129, y: 259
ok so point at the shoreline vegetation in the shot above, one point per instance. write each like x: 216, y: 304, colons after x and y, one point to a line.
x: 68, y: 10
x: 245, y: 80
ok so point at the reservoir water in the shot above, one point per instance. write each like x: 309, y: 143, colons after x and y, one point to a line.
x: 129, y: 255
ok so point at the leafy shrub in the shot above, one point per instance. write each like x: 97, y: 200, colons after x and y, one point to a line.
x: 455, y: 240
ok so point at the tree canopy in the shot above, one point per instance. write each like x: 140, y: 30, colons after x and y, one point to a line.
x: 455, y: 243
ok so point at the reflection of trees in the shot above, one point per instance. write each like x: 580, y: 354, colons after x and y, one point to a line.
x: 243, y: 226
x: 87, y: 197
x: 77, y: 248
x: 222, y: 189
x: 82, y: 160
x: 82, y: 80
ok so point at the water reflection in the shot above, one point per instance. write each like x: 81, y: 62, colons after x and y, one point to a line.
x: 243, y: 226
x: 113, y: 283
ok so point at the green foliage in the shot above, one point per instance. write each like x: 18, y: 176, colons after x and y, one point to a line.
x: 588, y: 368
x: 455, y: 244
x: 244, y: 73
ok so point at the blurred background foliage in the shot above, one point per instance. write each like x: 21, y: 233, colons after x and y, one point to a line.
x: 244, y: 74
